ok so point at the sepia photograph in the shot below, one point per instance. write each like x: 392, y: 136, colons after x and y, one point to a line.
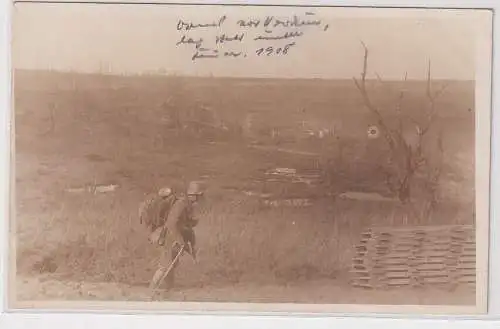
x: 250, y: 158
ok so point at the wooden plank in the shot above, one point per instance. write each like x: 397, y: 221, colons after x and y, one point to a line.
x: 431, y: 273
x: 362, y: 280
x: 397, y: 275
x: 464, y: 267
x: 431, y: 248
x: 467, y: 259
x: 434, y: 262
x: 469, y: 272
x: 359, y: 270
x: 360, y: 285
x: 438, y: 242
x: 435, y: 280
x: 430, y: 267
x: 412, y: 262
x: 397, y: 255
x: 399, y: 282
x: 359, y: 266
x: 433, y: 258
x: 393, y: 261
x: 467, y: 280
x: 393, y: 268
x: 433, y: 253
x: 427, y: 252
x: 429, y: 242
x: 404, y: 244
x: 427, y: 228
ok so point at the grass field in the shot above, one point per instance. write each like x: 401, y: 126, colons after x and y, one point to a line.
x: 78, y: 130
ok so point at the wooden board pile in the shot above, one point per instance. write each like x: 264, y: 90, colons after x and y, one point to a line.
x: 415, y: 257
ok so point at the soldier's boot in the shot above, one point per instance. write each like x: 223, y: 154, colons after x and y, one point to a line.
x: 193, y: 252
x: 168, y: 280
x: 190, y: 242
x: 156, y: 280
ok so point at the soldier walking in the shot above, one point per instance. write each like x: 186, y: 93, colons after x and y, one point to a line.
x: 176, y: 235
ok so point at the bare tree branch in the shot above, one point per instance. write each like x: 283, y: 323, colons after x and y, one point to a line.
x: 408, y: 156
x: 399, y: 105
x: 432, y: 97
x: 361, y: 85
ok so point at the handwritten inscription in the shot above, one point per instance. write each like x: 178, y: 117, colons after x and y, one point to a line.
x: 186, y: 26
x: 239, y: 38
x: 274, y: 50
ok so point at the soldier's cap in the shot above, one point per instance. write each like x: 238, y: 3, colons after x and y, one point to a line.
x: 194, y: 188
x: 165, y: 191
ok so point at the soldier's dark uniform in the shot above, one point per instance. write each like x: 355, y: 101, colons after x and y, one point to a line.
x: 178, y: 232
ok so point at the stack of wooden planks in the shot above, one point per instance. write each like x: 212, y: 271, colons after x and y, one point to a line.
x: 415, y: 256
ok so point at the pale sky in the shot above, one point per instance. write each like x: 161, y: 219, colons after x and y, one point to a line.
x: 136, y: 39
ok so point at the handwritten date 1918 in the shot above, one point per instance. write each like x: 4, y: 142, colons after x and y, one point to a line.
x: 272, y: 50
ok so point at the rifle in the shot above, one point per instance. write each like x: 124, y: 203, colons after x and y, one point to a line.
x: 172, y: 263
x: 170, y: 267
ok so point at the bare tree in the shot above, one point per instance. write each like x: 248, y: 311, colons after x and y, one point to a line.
x: 406, y: 157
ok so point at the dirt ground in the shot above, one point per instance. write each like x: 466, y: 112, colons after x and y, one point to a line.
x: 315, y: 292
x: 82, y: 245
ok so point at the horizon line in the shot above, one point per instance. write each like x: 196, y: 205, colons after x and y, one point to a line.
x: 186, y: 76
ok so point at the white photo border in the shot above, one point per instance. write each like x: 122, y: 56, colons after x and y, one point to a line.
x: 111, y: 319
